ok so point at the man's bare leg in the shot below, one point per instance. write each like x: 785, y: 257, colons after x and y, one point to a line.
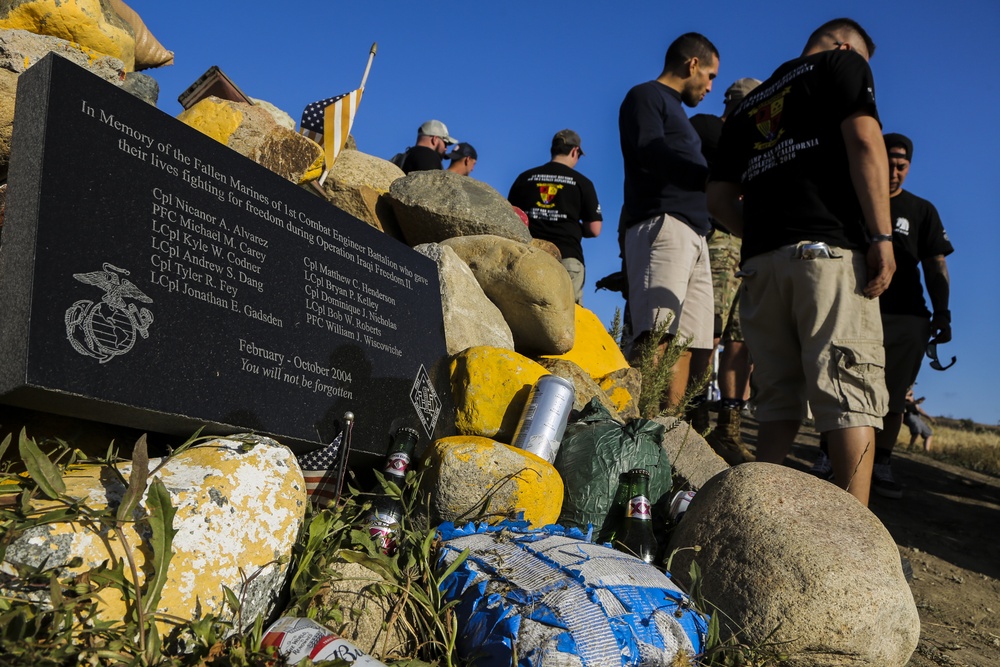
x: 774, y: 440
x: 852, y: 454
x: 734, y: 369
x: 679, y: 381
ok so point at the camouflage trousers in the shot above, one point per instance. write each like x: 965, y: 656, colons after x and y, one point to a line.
x: 724, y: 256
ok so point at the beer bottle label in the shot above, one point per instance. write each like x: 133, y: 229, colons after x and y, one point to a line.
x: 397, y: 463
x: 639, y: 508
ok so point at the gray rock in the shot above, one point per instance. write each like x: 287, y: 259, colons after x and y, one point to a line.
x: 784, y: 552
x: 585, y: 386
x: 20, y: 49
x: 432, y: 206
x: 470, y: 319
x: 691, y: 457
x: 280, y: 117
x: 359, y: 184
x: 531, y: 289
x: 365, y: 600
x: 142, y: 86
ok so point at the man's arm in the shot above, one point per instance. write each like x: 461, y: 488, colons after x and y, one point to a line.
x: 592, y: 229
x: 938, y: 288
x: 726, y: 206
x: 869, y: 166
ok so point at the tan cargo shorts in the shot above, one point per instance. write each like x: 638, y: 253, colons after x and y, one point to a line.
x: 814, y: 337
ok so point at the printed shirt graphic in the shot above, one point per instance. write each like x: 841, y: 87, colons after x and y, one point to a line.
x: 556, y: 199
x: 917, y: 234
x: 784, y: 146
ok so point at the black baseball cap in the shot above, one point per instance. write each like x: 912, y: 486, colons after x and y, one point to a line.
x: 463, y: 150
x: 895, y: 140
x: 566, y: 138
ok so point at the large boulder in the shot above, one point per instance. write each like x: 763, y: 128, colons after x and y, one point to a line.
x: 787, y: 558
x: 148, y: 50
x: 359, y: 184
x: 470, y: 319
x: 692, y: 458
x: 432, y: 206
x: 93, y: 24
x: 490, y: 387
x: 8, y: 91
x: 239, y: 504
x: 252, y: 132
x: 531, y: 289
x: 469, y: 476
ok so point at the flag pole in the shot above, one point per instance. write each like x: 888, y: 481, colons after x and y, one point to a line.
x: 368, y: 67
x: 361, y: 88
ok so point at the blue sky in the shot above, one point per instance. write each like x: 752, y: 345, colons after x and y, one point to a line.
x: 506, y: 76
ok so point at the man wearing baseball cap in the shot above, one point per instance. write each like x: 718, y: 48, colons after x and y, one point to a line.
x: 561, y: 204
x: 920, y: 242
x: 463, y: 159
x: 432, y: 143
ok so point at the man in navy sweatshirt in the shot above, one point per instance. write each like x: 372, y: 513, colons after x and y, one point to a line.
x: 665, y: 217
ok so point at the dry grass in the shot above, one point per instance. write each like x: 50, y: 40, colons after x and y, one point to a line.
x: 962, y: 442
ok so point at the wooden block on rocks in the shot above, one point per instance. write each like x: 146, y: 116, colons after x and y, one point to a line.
x: 467, y: 472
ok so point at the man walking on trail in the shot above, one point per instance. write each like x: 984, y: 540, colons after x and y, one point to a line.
x: 801, y: 176
x: 920, y: 241
x: 665, y: 217
x: 561, y: 204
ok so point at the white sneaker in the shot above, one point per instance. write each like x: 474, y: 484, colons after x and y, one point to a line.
x: 822, y: 467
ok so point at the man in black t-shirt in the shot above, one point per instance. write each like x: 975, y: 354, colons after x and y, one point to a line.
x: 665, y: 220
x: 432, y: 142
x: 804, y: 151
x: 561, y: 204
x: 919, y: 241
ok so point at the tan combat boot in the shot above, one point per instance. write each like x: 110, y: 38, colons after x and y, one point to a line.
x: 698, y: 417
x: 725, y: 438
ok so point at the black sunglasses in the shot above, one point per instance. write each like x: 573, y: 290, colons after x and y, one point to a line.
x: 935, y: 362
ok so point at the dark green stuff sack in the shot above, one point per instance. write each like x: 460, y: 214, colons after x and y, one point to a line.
x: 595, y: 450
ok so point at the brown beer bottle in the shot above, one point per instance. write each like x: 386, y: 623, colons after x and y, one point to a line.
x: 387, y: 512
x: 635, y: 536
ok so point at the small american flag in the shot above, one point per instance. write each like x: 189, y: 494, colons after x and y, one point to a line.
x: 321, y: 472
x: 328, y: 122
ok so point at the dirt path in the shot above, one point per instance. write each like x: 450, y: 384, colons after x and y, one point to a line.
x: 948, y: 524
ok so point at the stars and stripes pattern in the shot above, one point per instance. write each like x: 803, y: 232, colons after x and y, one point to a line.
x: 320, y: 470
x: 328, y: 122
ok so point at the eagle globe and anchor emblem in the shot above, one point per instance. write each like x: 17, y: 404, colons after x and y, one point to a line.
x: 107, y: 328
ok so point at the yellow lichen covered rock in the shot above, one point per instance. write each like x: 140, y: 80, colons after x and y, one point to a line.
x: 490, y: 386
x: 90, y: 23
x: 239, y: 503
x: 594, y: 350
x: 466, y: 474
x: 252, y: 131
x: 623, y: 387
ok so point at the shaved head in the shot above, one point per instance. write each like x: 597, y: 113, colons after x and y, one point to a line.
x: 833, y: 34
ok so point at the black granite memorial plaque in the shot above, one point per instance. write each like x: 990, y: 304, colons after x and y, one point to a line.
x: 151, y: 277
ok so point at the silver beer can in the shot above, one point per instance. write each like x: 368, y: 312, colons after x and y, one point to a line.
x: 545, y: 416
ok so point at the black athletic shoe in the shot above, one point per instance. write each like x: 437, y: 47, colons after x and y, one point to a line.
x: 883, y: 483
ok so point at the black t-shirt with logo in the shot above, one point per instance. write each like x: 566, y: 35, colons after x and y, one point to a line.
x: 421, y: 158
x: 917, y: 234
x: 556, y: 198
x: 784, y: 146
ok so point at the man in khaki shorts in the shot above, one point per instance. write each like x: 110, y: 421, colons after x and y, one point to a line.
x: 665, y: 217
x: 800, y: 176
